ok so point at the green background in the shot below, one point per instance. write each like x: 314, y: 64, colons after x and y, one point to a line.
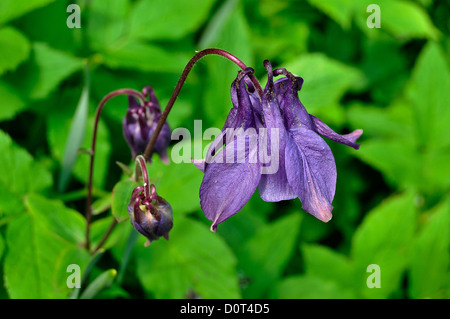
x: 392, y: 203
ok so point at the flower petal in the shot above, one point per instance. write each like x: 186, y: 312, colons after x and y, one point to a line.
x: 227, y: 187
x: 323, y: 129
x: 240, y: 116
x: 311, y: 171
x: 287, y: 89
x: 274, y: 186
x: 199, y: 163
x: 163, y: 140
x: 132, y: 102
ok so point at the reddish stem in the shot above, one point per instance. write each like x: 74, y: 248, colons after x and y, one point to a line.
x: 92, y: 153
x: 187, y: 69
x: 144, y: 172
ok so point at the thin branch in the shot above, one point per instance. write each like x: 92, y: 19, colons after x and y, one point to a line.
x: 92, y: 153
x: 187, y: 69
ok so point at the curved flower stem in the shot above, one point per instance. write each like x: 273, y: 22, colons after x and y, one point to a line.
x: 105, y: 236
x: 187, y: 69
x: 140, y: 163
x: 92, y: 154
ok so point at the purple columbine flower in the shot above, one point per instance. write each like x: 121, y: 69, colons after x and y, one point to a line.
x: 231, y: 177
x: 150, y: 214
x: 140, y: 123
x: 306, y: 166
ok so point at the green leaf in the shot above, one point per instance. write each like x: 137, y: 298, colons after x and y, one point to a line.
x: 11, y: 100
x: 427, y: 93
x: 36, y: 243
x: 131, y: 243
x: 107, y: 23
x: 135, y: 55
x: 121, y: 196
x: 309, y: 287
x: 233, y: 35
x: 14, y: 49
x: 216, y: 23
x: 103, y: 281
x: 384, y: 238
x: 395, y: 120
x: 341, y: 10
x: 386, y: 76
x: 48, y: 24
x: 405, y: 20
x: 325, y: 263
x: 325, y: 82
x: 50, y: 68
x: 75, y: 138
x: 413, y: 150
x: 19, y: 175
x: 276, y: 240
x: 30, y: 260
x: 10, y: 9
x: 72, y: 255
x: 2, y: 246
x: 88, y: 267
x: 101, y: 205
x: 57, y: 135
x: 57, y: 218
x: 430, y: 255
x: 194, y: 259
x: 160, y: 19
x: 397, y: 159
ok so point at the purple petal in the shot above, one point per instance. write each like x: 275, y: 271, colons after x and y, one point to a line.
x: 274, y: 186
x: 200, y: 164
x: 153, y: 99
x: 222, y: 194
x: 311, y: 171
x: 163, y: 140
x: 132, y: 102
x: 240, y: 116
x: 227, y: 187
x: 348, y: 139
x: 294, y: 112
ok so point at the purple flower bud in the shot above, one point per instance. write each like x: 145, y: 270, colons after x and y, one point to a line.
x: 150, y: 214
x: 140, y: 122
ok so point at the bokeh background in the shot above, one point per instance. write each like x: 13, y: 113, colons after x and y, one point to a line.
x: 392, y: 203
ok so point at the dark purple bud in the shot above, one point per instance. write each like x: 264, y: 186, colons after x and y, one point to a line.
x: 140, y: 122
x: 150, y: 214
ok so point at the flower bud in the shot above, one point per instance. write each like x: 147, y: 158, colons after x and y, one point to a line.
x: 150, y: 215
x: 140, y: 122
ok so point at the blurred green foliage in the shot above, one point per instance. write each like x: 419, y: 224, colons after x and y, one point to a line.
x: 392, y: 205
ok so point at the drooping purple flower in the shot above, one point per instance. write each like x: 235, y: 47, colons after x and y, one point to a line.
x: 306, y: 168
x: 140, y: 122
